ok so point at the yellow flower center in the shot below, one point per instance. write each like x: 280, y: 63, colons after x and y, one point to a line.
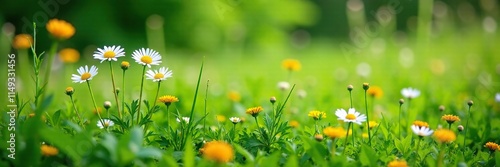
x: 85, y: 76
x: 159, y: 76
x: 106, y: 124
x: 350, y: 117
x: 146, y: 59
x: 109, y: 54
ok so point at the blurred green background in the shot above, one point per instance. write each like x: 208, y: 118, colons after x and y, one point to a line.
x: 450, y: 48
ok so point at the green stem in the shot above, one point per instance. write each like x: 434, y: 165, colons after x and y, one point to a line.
x: 316, y: 127
x: 95, y: 104
x: 440, y: 159
x: 156, y: 96
x: 466, y: 127
x: 76, y: 111
x: 346, y: 136
x: 150, y: 114
x: 205, y: 108
x: 368, y: 121
x: 449, y: 126
x: 123, y: 92
x: 234, y: 132
x: 168, y: 116
x: 408, y: 116
x: 114, y: 91
x: 333, y: 148
x: 350, y: 97
x: 400, y: 120
x: 140, y: 95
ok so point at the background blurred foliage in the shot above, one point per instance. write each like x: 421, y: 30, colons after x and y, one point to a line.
x: 201, y: 25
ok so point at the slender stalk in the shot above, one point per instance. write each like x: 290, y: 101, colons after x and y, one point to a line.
x: 93, y: 101
x: 76, y: 111
x: 439, y: 162
x: 107, y: 111
x: 350, y: 97
x: 168, y: 116
x: 114, y: 90
x: 333, y: 148
x: 156, y: 96
x: 466, y: 127
x: 150, y: 114
x: 234, y: 132
x: 123, y: 92
x: 205, y: 108
x: 368, y: 121
x: 316, y: 127
x: 418, y: 143
x: 449, y: 126
x: 346, y: 136
x: 140, y: 95
x: 400, y: 105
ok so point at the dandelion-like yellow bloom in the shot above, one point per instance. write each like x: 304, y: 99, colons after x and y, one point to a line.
x: 254, y: 111
x: 397, y: 163
x: 450, y: 118
x: 234, y: 96
x: 334, y: 133
x: 372, y: 124
x: 168, y: 99
x: 492, y: 146
x: 291, y: 64
x: 375, y: 91
x: 294, y: 124
x: 317, y: 115
x: 218, y: 151
x: 420, y: 123
x: 445, y: 135
x: 220, y: 118
x: 364, y: 135
x: 48, y: 150
x: 69, y: 55
x: 60, y: 29
x: 22, y: 41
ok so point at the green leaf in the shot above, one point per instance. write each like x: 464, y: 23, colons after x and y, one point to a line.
x: 368, y: 156
x: 292, y: 161
x: 189, y: 153
x: 249, y: 157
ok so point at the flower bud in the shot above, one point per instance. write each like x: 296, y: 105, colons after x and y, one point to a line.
x: 460, y: 128
x: 107, y: 105
x: 318, y: 137
x: 366, y: 86
x: 441, y: 108
x: 401, y: 101
x: 70, y: 91
x: 125, y: 65
x: 470, y: 103
x: 272, y: 100
x: 350, y: 87
x: 117, y: 90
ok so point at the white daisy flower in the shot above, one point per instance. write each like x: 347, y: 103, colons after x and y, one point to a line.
x: 283, y: 85
x: 497, y: 97
x: 104, y: 123
x: 351, y: 116
x: 84, y: 74
x: 159, y: 75
x: 421, y: 131
x: 410, y: 93
x: 235, y: 120
x: 184, y: 119
x: 146, y: 57
x: 109, y: 53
